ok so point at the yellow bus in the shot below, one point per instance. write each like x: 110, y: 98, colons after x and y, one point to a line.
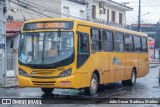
x: 75, y: 54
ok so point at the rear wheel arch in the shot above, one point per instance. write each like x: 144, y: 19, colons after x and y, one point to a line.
x: 97, y: 74
x: 131, y: 81
x: 134, y: 68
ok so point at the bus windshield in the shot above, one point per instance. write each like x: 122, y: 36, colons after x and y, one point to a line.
x: 42, y: 48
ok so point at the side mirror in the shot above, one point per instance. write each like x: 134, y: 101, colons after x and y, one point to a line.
x: 12, y: 43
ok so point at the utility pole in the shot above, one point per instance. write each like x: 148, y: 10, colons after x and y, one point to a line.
x: 3, y: 10
x: 139, y: 16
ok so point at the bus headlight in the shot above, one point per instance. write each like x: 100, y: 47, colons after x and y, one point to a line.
x: 66, y: 73
x: 23, y: 73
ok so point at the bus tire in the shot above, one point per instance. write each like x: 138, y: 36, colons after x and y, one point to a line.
x: 125, y: 82
x: 132, y: 81
x: 93, y: 88
x: 47, y: 90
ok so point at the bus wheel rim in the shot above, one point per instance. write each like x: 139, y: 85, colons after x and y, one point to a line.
x: 133, y: 77
x: 93, y: 85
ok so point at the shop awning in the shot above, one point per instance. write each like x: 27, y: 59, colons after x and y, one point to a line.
x: 13, y: 28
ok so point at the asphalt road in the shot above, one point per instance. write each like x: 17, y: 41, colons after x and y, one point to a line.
x: 146, y: 87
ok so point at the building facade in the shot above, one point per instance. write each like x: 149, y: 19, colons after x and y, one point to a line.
x: 109, y: 11
x: 33, y: 9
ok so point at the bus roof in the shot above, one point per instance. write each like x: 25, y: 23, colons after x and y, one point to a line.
x: 89, y: 23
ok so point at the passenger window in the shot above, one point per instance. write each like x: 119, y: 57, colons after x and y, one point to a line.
x: 107, y: 40
x: 83, y: 49
x: 83, y: 43
x: 144, y: 45
x: 118, y: 42
x: 96, y: 39
x: 128, y: 42
x: 137, y: 44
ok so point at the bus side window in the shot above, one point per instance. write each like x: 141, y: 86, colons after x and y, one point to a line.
x: 96, y: 39
x: 137, y: 44
x: 144, y: 44
x: 83, y: 45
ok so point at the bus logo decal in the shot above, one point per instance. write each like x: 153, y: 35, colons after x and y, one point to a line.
x: 116, y: 61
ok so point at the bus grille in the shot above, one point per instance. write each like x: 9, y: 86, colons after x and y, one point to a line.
x: 46, y: 83
x: 42, y: 72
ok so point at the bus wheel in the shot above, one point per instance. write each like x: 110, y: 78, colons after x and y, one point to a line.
x: 92, y: 89
x: 132, y: 81
x: 125, y: 82
x: 47, y: 90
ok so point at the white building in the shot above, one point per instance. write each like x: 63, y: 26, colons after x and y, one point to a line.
x: 32, y: 9
x: 74, y: 8
x: 109, y: 11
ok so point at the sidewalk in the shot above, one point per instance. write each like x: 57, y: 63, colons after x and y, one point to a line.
x: 11, y: 82
x: 154, y: 63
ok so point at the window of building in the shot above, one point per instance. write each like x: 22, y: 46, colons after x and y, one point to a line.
x: 120, y: 18
x: 66, y: 11
x: 96, y: 39
x: 81, y: 14
x: 113, y: 16
x: 144, y: 45
x: 118, y: 42
x: 107, y: 15
x: 137, y: 44
x: 107, y: 40
x: 93, y: 11
x: 128, y: 42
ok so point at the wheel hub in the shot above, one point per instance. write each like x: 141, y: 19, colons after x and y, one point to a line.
x: 93, y: 85
x: 133, y: 77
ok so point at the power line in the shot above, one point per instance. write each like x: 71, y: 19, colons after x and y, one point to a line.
x: 31, y: 9
x: 39, y: 7
x: 22, y: 13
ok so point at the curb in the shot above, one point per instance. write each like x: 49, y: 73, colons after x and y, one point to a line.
x: 155, y: 63
x: 154, y: 66
x: 11, y: 86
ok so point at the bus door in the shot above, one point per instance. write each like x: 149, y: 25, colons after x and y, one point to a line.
x: 83, y: 54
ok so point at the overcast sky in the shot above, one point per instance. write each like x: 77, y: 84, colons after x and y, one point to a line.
x: 150, y: 10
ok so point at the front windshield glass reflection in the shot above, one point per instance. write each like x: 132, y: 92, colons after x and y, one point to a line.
x: 45, y: 47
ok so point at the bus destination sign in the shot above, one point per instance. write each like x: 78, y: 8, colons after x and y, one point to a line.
x: 48, y: 25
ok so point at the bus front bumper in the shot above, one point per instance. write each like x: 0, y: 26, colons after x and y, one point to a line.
x: 64, y: 82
